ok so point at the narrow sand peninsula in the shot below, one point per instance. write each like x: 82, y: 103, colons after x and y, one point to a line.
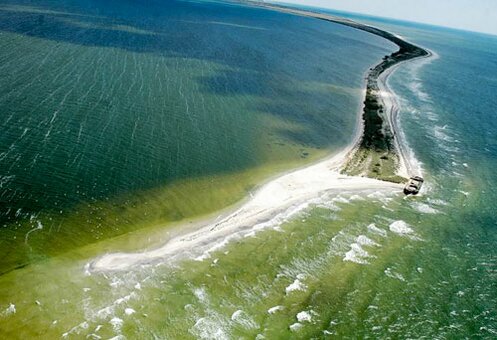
x: 382, y: 152
x: 281, y: 197
x: 278, y: 198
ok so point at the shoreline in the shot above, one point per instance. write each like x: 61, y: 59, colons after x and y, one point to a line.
x: 382, y: 152
x: 275, y: 202
x: 408, y: 166
x: 280, y: 197
x: 378, y: 154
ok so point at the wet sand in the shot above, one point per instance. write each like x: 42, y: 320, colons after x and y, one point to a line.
x: 277, y: 200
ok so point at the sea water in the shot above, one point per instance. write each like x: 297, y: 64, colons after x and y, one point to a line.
x: 353, y: 265
x: 120, y: 116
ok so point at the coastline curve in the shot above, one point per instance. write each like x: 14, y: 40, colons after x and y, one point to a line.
x: 289, y: 193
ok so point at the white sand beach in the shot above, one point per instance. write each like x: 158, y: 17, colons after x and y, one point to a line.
x: 278, y: 198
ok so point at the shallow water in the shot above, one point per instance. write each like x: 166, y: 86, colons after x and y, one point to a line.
x: 354, y: 265
x: 117, y: 117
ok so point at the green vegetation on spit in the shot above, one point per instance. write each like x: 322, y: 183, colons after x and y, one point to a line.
x: 376, y: 155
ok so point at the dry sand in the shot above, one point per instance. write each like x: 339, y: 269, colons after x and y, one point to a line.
x: 279, y: 198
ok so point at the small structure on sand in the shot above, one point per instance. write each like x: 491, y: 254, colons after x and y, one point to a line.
x: 413, y: 186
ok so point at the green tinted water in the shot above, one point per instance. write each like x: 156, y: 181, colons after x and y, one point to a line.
x: 354, y: 265
x: 120, y: 117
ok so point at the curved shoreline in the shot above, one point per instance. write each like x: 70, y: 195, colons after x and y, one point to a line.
x: 379, y: 153
x: 280, y: 198
x: 408, y: 166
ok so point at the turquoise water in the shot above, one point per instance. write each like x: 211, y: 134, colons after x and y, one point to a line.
x: 353, y: 265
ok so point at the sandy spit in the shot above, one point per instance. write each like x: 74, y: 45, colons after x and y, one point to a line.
x: 275, y: 198
x: 279, y: 197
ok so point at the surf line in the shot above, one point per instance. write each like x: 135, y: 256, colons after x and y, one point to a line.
x: 281, y: 198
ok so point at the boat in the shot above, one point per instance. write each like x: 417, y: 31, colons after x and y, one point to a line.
x: 413, y: 186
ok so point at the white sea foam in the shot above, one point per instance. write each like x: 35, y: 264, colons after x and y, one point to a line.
x: 341, y: 199
x: 356, y: 198
x: 200, y: 294
x: 212, y: 324
x: 390, y: 273
x: 377, y: 195
x: 417, y: 88
x: 356, y: 254
x: 244, y: 320
x: 87, y: 269
x: 375, y: 230
x: 296, y: 327
x: 441, y: 133
x: 116, y: 323
x: 251, y: 234
x: 116, y: 282
x: 437, y: 202
x: 297, y: 285
x: 129, y: 311
x: 236, y: 315
x: 366, y: 241
x: 400, y: 227
x: 416, y: 85
x: 126, y: 298
x: 304, y: 316
x: 118, y: 337
x: 11, y: 309
x: 210, y: 328
x: 275, y: 309
x: 77, y: 329
x: 302, y: 267
x: 424, y: 208
x: 39, y: 226
x: 104, y: 313
x: 94, y: 336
